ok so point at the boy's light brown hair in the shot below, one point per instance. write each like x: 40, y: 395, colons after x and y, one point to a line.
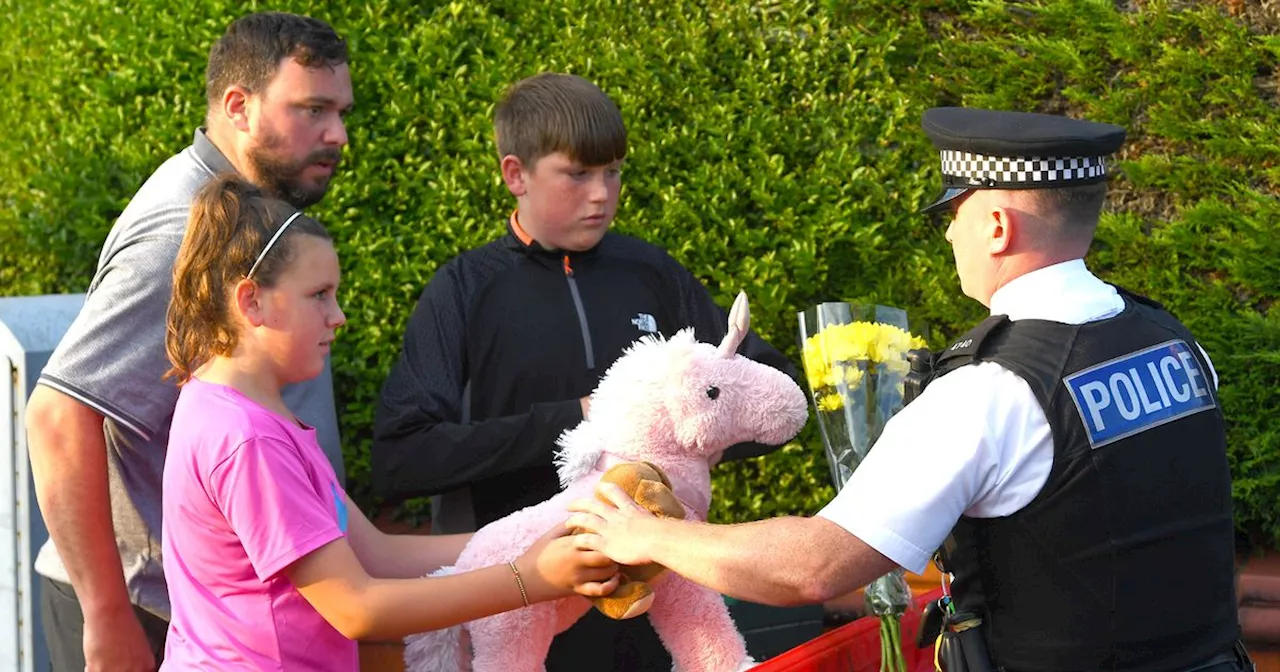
x: 552, y: 112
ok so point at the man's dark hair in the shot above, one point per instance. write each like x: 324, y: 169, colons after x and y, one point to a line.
x: 250, y: 52
x: 551, y: 112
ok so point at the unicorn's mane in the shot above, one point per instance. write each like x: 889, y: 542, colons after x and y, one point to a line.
x: 643, y: 363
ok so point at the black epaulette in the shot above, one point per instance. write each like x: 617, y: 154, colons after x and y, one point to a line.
x: 967, y: 348
x: 926, y: 366
x: 1138, y: 298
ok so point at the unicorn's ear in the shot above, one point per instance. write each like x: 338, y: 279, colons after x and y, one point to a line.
x: 739, y: 325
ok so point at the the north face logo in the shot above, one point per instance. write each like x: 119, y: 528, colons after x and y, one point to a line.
x: 645, y: 322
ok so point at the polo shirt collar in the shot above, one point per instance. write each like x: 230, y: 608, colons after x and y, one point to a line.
x: 209, y: 154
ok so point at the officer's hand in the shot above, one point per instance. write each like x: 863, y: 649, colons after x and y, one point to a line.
x: 620, y: 529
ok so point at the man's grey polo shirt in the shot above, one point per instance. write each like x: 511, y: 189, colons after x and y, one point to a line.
x: 113, y: 360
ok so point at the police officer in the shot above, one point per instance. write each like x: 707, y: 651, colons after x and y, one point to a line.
x: 1070, y: 450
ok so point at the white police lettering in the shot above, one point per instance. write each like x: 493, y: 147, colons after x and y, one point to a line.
x: 1138, y: 391
x: 962, y: 344
x: 1193, y: 372
x: 1180, y: 391
x: 1148, y: 406
x: 1097, y: 398
x: 1159, y: 380
x: 1126, y: 402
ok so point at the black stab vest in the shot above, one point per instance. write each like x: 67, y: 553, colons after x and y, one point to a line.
x: 1125, y: 558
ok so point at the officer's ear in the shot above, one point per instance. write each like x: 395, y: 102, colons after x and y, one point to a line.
x: 1002, y: 224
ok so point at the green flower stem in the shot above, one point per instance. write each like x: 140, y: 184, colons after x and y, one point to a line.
x: 891, y: 658
x: 884, y: 645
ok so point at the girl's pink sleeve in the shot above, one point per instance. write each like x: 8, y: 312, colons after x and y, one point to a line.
x: 279, y: 511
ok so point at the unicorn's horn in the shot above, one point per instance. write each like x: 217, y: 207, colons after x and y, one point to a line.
x: 739, y: 325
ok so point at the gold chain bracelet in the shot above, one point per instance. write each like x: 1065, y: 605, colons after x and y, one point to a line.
x: 519, y: 582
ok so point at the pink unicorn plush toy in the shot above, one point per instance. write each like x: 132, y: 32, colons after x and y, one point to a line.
x: 675, y: 403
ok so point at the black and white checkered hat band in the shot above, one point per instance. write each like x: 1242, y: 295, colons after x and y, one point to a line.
x: 976, y: 170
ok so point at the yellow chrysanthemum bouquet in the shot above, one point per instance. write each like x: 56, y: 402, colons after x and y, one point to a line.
x: 855, y: 360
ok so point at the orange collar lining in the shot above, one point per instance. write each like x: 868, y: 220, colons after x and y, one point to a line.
x: 519, y: 230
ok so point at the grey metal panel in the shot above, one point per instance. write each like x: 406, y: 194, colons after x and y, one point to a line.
x: 10, y: 532
x: 30, y: 328
x: 35, y: 324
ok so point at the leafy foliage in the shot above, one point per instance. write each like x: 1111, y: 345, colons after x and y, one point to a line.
x: 774, y: 147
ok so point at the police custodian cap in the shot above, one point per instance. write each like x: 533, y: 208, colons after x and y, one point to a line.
x: 989, y: 149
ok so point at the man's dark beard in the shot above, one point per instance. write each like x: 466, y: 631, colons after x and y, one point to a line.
x: 283, y: 177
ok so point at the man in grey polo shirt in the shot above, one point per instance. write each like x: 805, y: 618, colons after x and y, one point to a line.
x: 278, y: 87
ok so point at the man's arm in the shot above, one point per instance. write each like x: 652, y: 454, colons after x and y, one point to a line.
x: 109, y: 364
x: 69, y: 467
x: 966, y: 456
x: 780, y: 561
x: 420, y: 444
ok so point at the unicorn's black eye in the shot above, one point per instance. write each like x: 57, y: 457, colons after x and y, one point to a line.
x: 713, y: 392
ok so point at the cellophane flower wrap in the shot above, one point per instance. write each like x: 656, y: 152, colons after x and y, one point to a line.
x: 855, y: 361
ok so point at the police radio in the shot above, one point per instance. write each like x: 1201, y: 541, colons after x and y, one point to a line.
x: 921, y: 362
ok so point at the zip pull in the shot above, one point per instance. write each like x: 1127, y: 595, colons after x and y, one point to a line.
x: 582, y: 313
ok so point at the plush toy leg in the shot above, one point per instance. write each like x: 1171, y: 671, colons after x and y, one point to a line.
x: 694, y: 624
x: 518, y: 641
x: 630, y: 599
x: 445, y: 650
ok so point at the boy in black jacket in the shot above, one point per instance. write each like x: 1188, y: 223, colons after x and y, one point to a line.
x: 509, y: 339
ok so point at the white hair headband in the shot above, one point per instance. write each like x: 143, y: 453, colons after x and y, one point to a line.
x: 270, y: 243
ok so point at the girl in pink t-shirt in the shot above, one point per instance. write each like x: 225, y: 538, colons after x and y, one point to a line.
x: 269, y: 564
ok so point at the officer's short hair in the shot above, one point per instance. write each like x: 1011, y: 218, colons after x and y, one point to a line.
x: 1076, y: 207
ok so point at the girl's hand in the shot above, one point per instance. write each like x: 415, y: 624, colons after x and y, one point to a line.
x: 556, y: 567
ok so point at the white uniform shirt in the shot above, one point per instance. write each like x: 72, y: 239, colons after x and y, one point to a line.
x: 975, y: 443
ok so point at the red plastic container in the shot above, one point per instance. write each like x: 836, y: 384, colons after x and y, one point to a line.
x: 855, y: 647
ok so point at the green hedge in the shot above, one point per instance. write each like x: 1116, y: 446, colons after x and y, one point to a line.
x: 788, y: 129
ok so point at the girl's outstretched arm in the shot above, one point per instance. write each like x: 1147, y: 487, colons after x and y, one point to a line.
x: 359, y: 606
x: 399, y: 556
